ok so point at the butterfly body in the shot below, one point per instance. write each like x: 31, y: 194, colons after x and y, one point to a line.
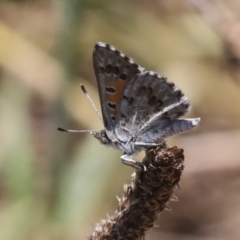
x: 139, y: 108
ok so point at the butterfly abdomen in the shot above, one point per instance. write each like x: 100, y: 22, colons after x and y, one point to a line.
x: 180, y: 125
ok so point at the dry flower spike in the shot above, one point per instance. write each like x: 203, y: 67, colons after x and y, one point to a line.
x: 145, y: 198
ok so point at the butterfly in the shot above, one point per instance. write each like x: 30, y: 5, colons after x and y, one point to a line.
x: 139, y: 108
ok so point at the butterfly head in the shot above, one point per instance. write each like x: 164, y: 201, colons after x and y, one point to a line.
x: 102, y: 137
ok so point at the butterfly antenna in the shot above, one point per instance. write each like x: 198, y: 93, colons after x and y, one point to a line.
x: 91, y: 101
x: 75, y: 131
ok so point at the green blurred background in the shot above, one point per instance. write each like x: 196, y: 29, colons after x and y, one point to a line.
x: 57, y: 186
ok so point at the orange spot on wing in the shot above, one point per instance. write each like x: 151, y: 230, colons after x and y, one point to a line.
x: 118, y: 85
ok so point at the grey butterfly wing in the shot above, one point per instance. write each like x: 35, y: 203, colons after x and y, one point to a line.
x: 149, y: 104
x: 113, y: 71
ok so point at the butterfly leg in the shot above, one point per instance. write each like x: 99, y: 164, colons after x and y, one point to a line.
x: 126, y: 159
x: 147, y: 144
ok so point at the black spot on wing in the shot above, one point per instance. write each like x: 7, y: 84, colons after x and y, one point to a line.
x: 101, y: 69
x: 152, y: 100
x: 123, y: 115
x: 186, y: 105
x: 158, y: 104
x: 123, y: 76
x: 123, y: 124
x: 110, y: 90
x: 142, y: 90
x: 131, y: 100
x: 113, y: 106
x: 109, y: 68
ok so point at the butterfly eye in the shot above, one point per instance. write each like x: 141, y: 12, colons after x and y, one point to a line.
x: 104, y: 140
